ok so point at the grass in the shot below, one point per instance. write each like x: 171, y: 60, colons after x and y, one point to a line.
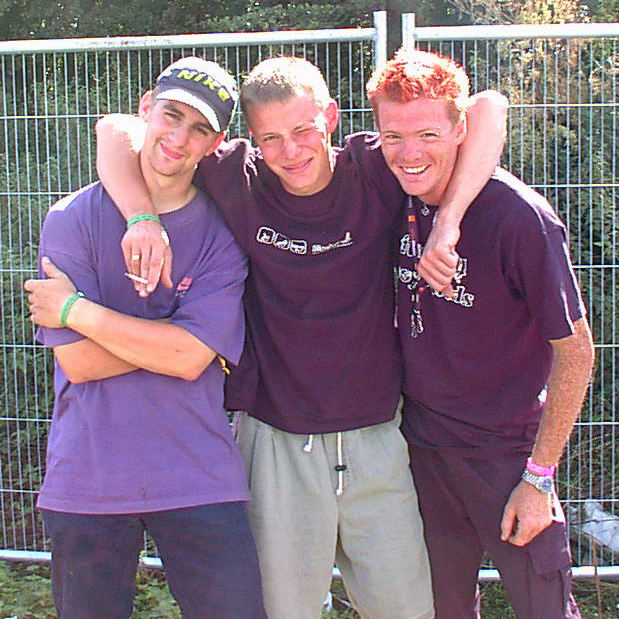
x: 25, y: 594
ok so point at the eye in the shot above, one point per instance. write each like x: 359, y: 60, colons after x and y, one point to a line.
x: 269, y: 139
x: 389, y: 138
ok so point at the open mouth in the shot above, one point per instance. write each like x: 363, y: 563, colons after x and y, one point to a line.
x: 415, y: 170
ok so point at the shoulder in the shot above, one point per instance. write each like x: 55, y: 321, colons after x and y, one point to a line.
x: 516, y: 204
x: 231, y: 161
x: 362, y: 151
x: 76, y: 208
x: 364, y: 148
x: 77, y: 199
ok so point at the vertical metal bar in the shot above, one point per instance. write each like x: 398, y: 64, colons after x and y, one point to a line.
x: 380, y: 38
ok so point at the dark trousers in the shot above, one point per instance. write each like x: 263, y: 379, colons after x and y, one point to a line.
x: 461, y: 502
x: 208, y: 554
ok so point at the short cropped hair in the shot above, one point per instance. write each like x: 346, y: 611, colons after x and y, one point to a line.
x: 279, y: 79
x: 412, y: 73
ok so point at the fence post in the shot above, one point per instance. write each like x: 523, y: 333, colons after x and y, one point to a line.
x: 408, y: 30
x: 380, y: 38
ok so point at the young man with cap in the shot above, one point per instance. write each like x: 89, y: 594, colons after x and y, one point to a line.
x: 320, y: 376
x: 496, y: 374
x: 139, y: 437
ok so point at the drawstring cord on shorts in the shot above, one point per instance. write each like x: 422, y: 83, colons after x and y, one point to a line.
x: 340, y: 467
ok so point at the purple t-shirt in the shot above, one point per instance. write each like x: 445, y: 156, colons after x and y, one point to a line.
x: 476, y: 371
x: 321, y: 353
x: 142, y: 441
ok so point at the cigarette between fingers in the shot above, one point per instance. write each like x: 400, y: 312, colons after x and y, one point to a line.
x: 136, y: 278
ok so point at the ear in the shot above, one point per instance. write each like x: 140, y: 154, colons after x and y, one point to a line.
x: 332, y: 114
x: 216, y: 143
x: 461, y: 131
x: 146, y: 103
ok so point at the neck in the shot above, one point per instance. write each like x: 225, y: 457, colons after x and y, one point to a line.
x: 168, y: 193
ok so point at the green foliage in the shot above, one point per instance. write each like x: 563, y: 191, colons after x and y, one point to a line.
x: 25, y: 592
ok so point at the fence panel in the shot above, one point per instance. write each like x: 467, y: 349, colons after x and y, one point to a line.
x: 562, y: 139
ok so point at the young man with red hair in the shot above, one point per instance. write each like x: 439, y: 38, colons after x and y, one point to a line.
x: 495, y: 375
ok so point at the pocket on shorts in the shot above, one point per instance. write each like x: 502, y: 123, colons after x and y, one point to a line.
x: 549, y: 551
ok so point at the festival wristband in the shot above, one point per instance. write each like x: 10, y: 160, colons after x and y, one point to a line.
x: 538, y: 469
x: 143, y: 217
x: 67, y: 306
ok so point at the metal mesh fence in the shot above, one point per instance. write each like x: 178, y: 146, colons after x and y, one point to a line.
x: 562, y: 140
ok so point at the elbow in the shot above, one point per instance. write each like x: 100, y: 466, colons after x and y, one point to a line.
x: 195, y: 366
x: 76, y: 377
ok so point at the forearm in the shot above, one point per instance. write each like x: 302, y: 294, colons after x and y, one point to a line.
x: 85, y: 360
x: 148, y: 344
x: 567, y: 386
x: 478, y: 155
x: 119, y: 140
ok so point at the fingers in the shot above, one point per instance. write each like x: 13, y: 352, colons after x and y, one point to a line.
x: 166, y: 272
x: 508, y: 523
x: 146, y: 250
x: 438, y: 267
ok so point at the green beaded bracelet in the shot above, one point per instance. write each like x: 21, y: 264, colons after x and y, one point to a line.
x: 143, y: 217
x: 68, y: 305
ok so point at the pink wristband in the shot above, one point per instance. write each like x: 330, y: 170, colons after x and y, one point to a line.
x: 542, y: 471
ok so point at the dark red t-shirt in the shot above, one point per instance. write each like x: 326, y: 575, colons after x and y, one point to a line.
x: 321, y: 353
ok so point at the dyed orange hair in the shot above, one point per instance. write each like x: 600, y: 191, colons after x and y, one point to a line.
x: 413, y: 73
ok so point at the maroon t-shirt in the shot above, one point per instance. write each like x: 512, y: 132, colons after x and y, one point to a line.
x: 477, y: 364
x: 321, y: 352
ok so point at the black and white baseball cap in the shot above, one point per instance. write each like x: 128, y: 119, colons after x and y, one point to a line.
x: 203, y: 85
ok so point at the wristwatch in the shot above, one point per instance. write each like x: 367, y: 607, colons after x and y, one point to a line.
x: 542, y: 482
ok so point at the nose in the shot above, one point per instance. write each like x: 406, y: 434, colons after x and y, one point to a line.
x: 180, y: 134
x: 289, y: 146
x: 410, y: 148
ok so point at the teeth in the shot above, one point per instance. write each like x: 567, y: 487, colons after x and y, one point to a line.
x: 417, y: 170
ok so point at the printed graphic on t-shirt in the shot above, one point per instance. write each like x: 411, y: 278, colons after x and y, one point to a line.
x: 183, y: 286
x: 269, y: 236
x: 409, y: 278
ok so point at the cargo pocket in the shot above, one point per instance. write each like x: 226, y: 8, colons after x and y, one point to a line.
x: 551, y: 560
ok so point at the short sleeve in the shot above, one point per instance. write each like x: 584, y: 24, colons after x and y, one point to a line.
x: 212, y: 308
x: 540, y: 270
x: 64, y: 240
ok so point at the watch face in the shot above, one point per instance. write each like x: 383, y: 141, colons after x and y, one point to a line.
x: 543, y: 484
x: 546, y: 484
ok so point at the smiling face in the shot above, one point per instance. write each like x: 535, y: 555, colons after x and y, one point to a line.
x: 177, y: 138
x: 294, y: 136
x: 420, y: 143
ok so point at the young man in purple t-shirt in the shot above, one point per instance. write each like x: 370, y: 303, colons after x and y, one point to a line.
x: 320, y: 376
x: 495, y: 374
x: 139, y: 436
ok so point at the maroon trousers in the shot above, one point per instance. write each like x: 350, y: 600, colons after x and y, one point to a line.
x: 462, y: 501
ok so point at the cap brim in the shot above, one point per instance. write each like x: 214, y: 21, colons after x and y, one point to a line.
x: 184, y: 96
